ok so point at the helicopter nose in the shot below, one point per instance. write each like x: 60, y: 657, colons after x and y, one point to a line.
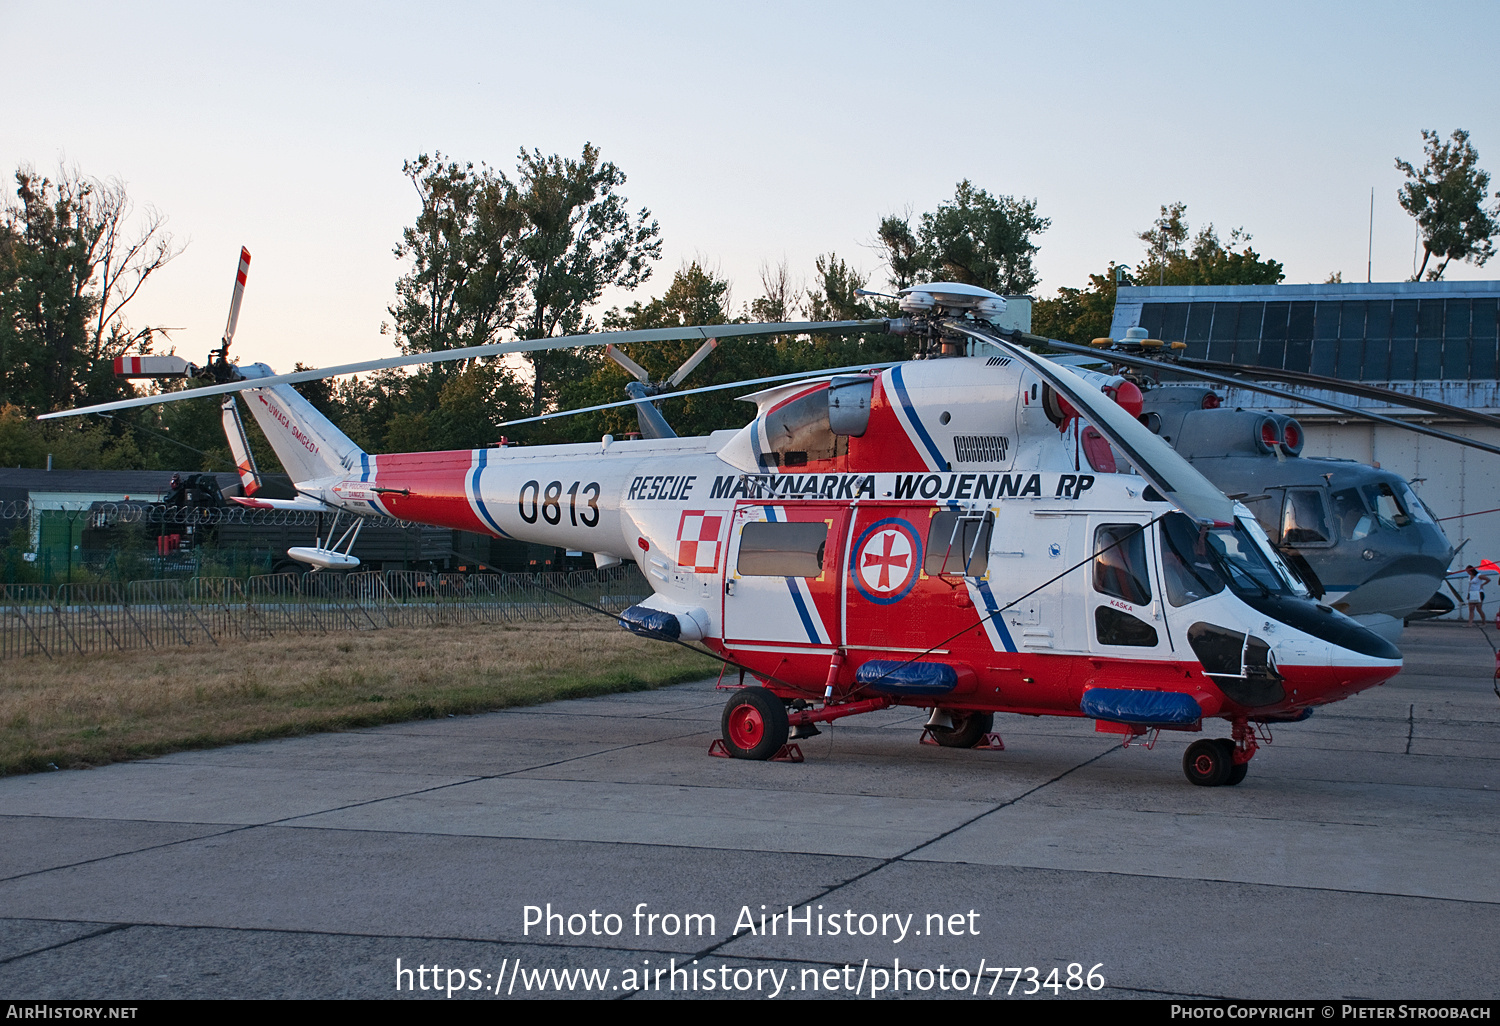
x: 1348, y: 673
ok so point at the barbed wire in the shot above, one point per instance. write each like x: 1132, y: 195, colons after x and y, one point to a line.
x: 105, y: 514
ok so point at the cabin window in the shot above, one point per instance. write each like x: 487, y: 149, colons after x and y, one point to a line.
x: 1120, y: 565
x: 1304, y: 520
x: 1116, y: 627
x: 778, y: 549
x: 959, y: 543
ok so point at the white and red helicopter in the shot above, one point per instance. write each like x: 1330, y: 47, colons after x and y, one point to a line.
x: 920, y: 534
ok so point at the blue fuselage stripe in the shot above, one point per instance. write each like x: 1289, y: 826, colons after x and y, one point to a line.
x: 484, y: 514
x: 791, y: 583
x: 995, y: 618
x: 940, y: 464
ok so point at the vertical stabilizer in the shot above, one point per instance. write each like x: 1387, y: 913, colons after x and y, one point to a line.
x: 306, y: 442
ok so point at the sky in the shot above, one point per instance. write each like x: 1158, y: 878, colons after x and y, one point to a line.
x: 753, y: 132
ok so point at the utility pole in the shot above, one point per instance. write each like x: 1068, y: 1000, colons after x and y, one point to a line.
x: 1370, y: 255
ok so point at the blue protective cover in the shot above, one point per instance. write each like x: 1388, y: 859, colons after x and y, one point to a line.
x: 1125, y: 705
x: 651, y: 623
x: 893, y: 678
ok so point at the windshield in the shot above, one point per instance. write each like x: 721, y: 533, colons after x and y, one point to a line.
x: 1200, y: 561
x: 1273, y: 556
x: 1386, y: 506
x: 1414, y: 504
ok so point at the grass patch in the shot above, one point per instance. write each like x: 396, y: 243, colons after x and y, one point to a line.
x: 108, y: 707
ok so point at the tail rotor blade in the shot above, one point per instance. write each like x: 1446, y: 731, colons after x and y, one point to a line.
x: 631, y: 367
x: 239, y: 293
x: 693, y: 361
x: 239, y: 446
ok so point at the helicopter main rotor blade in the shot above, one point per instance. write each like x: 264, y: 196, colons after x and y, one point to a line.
x: 1357, y: 388
x: 693, y: 362
x: 1153, y: 459
x: 798, y: 375
x: 1224, y: 379
x: 492, y: 349
x: 632, y: 368
x: 239, y: 294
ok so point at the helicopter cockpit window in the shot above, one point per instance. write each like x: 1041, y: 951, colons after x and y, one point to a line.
x: 1349, y: 513
x: 800, y: 432
x: 1386, y: 506
x: 1188, y: 571
x: 959, y: 543
x: 1120, y: 565
x: 779, y: 549
x: 1414, y: 505
x: 1234, y: 554
x: 1304, y: 520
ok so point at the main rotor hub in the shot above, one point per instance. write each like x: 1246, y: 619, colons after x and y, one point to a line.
x: 930, y: 303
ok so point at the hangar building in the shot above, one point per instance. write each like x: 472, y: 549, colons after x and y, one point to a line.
x: 1433, y: 339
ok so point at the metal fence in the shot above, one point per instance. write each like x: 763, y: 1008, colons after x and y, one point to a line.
x: 38, y: 619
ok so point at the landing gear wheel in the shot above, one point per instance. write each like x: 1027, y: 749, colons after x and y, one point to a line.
x: 754, y: 724
x: 1236, y: 771
x: 1207, y: 763
x: 968, y: 730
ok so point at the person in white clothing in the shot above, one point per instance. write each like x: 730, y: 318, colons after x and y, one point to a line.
x: 1475, y: 598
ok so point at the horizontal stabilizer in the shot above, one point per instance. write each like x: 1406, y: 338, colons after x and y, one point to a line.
x: 301, y: 502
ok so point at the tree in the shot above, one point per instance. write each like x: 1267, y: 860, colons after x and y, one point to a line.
x: 1210, y: 261
x: 904, y: 259
x: 578, y: 239
x: 81, y: 444
x: 1447, y: 198
x: 697, y: 295
x: 70, y: 262
x: 489, y: 257
x: 832, y: 297
x: 983, y: 240
x: 778, y: 300
x: 1166, y: 236
x: 1078, y: 315
x: 464, y: 250
x: 975, y: 238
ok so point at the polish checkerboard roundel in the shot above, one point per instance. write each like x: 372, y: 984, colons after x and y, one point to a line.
x: 698, y: 541
x: 887, y: 560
